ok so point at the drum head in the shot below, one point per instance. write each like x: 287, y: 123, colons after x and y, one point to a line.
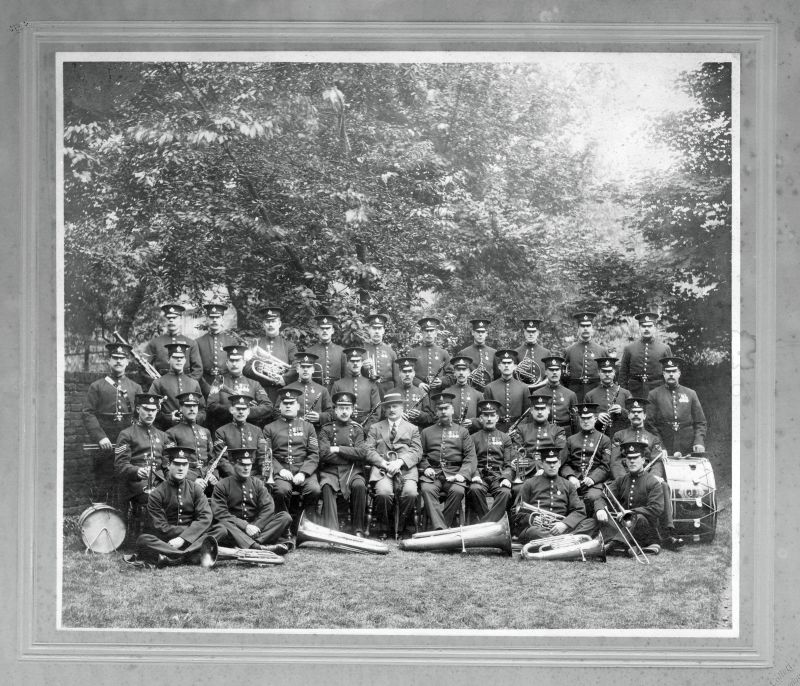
x: 102, y: 528
x: 694, y: 498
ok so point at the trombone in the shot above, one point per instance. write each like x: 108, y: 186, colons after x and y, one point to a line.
x: 622, y: 521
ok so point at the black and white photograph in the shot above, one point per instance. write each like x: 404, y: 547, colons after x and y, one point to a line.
x: 399, y: 341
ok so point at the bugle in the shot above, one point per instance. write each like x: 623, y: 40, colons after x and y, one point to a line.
x: 308, y: 532
x: 565, y: 547
x: 484, y: 535
x: 620, y: 519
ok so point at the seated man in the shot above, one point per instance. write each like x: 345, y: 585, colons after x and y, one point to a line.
x: 448, y: 463
x: 180, y: 516
x: 642, y: 498
x: 394, y: 450
x: 493, y: 453
x: 343, y: 460
x: 240, y: 434
x: 243, y: 506
x: 554, y: 494
x: 292, y: 443
x: 189, y: 433
x: 138, y: 457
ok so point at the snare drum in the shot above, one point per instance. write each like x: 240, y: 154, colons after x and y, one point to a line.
x: 694, y: 497
x: 102, y: 528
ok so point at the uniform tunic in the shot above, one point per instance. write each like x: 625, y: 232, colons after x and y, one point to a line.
x: 383, y: 356
x: 562, y: 405
x: 576, y: 454
x: 109, y: 407
x: 643, y: 494
x: 534, y: 438
x: 237, y: 502
x: 237, y: 435
x: 581, y: 374
x: 605, y: 397
x: 332, y: 360
x: 315, y: 398
x: 493, y: 454
x: 481, y: 354
x: 512, y: 396
x: 343, y: 471
x: 465, y: 403
x: 554, y: 494
x: 219, y: 405
x: 156, y: 353
x: 432, y: 361
x: 172, y: 385
x: 138, y: 446
x: 213, y: 357
x: 367, y: 397
x: 198, y: 437
x: 295, y: 448
x: 653, y: 450
x: 640, y: 369
x: 414, y: 399
x: 677, y: 416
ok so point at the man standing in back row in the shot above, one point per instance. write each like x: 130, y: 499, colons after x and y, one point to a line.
x: 639, y: 369
x: 581, y: 357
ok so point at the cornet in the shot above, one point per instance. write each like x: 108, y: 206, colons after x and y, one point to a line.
x: 371, y: 365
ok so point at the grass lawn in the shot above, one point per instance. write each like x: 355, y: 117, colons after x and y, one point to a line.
x: 323, y: 588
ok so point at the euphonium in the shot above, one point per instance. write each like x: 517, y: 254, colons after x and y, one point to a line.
x: 307, y: 532
x: 539, y: 516
x: 485, y: 535
x: 566, y: 547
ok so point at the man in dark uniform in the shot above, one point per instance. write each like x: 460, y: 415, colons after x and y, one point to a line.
x: 416, y: 403
x: 493, y: 453
x: 508, y: 391
x: 211, y: 346
x: 242, y: 504
x: 343, y: 462
x: 582, y: 374
x: 639, y: 369
x: 107, y: 410
x: 330, y: 356
x: 315, y: 402
x: 562, y: 400
x: 170, y: 385
x: 238, y: 434
x: 278, y: 347
x: 553, y: 493
x: 531, y: 349
x: 156, y: 350
x: 293, y: 444
x: 466, y: 398
x: 641, y: 496
x: 482, y: 355
x: 447, y: 465
x: 432, y: 369
x: 366, y: 393
x: 609, y: 397
x: 676, y: 413
x: 233, y: 381
x: 181, y: 518
x: 379, y: 357
x: 533, y: 436
x: 394, y: 451
x: 585, y: 458
x: 138, y: 457
x: 188, y: 432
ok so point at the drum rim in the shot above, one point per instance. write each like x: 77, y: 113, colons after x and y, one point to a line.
x: 112, y: 512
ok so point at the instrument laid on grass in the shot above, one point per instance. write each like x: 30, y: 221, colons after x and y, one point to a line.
x: 102, y: 528
x: 249, y: 556
x: 539, y: 516
x: 308, y: 532
x: 621, y: 519
x: 694, y: 497
x: 564, y: 547
x: 149, y: 369
x: 485, y: 535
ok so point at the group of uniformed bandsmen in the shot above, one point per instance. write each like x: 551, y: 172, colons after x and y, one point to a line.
x: 214, y: 447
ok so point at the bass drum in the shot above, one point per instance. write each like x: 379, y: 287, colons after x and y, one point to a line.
x: 694, y: 497
x: 102, y: 528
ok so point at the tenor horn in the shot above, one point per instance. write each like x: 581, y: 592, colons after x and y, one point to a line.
x: 540, y: 517
x: 484, y: 535
x: 308, y: 532
x: 565, y: 547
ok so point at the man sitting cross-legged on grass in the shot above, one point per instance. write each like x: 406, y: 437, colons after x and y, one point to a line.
x: 181, y: 517
x: 242, y: 504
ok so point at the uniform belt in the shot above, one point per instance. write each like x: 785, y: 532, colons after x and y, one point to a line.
x: 585, y: 380
x: 646, y: 377
x: 113, y: 414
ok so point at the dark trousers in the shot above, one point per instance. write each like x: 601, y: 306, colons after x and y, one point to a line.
x: 309, y: 493
x: 440, y: 517
x: 150, y: 546
x: 640, y: 390
x: 580, y: 388
x: 644, y: 531
x: 276, y: 529
x: 478, y: 506
x: 358, y: 505
x: 386, y: 490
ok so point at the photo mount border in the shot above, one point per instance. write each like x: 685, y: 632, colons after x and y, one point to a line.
x: 40, y: 41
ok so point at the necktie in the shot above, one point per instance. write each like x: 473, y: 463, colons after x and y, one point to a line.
x: 393, y: 434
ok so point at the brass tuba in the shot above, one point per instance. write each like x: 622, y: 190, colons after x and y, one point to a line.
x: 485, y: 535
x: 307, y: 532
x: 565, y: 547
